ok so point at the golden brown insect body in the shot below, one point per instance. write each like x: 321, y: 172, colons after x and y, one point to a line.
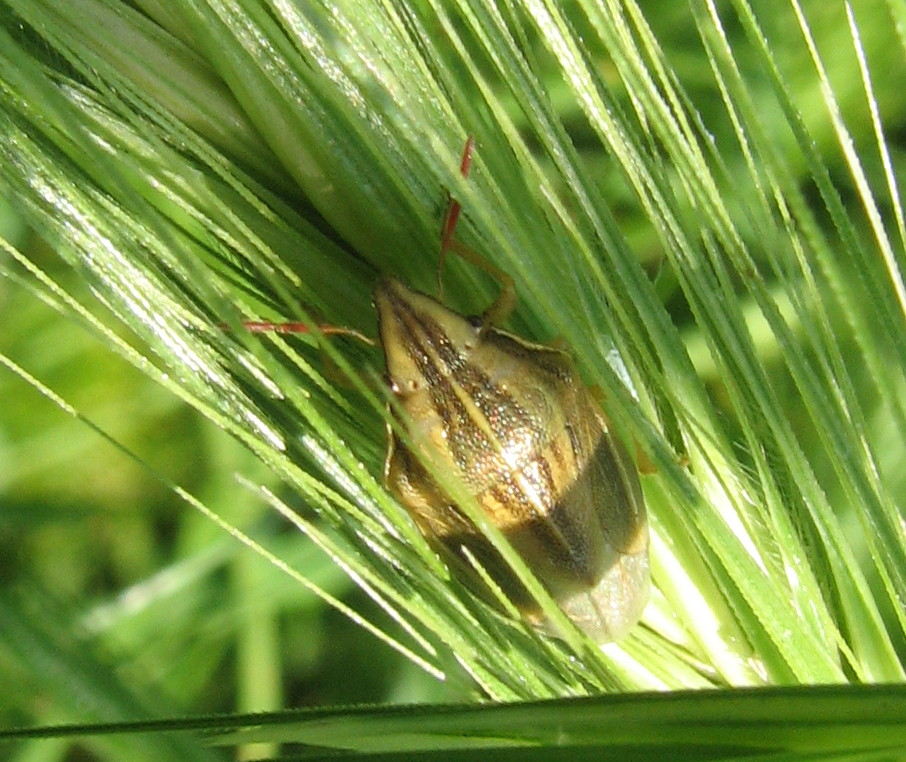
x: 515, y: 424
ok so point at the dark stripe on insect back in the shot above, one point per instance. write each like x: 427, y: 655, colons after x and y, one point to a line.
x: 423, y: 338
x: 554, y: 454
x: 404, y: 317
x: 467, y: 440
x: 504, y: 423
x: 502, y: 412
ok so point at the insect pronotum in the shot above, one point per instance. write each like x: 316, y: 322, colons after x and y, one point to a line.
x: 514, y: 423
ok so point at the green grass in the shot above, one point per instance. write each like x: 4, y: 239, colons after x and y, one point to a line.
x: 702, y: 204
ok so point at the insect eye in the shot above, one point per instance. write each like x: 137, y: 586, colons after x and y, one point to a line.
x: 476, y: 321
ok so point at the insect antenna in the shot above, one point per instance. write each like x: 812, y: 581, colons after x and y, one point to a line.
x: 265, y: 326
x: 505, y: 303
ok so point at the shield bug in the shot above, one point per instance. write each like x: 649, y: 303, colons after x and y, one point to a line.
x: 513, y: 422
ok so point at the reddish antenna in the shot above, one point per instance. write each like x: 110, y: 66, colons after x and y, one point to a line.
x: 452, y: 217
x: 453, y: 210
x: 265, y: 326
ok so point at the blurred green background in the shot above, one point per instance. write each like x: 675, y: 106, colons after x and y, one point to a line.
x: 97, y: 531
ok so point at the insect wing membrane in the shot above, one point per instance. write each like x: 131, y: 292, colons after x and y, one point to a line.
x: 514, y: 422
